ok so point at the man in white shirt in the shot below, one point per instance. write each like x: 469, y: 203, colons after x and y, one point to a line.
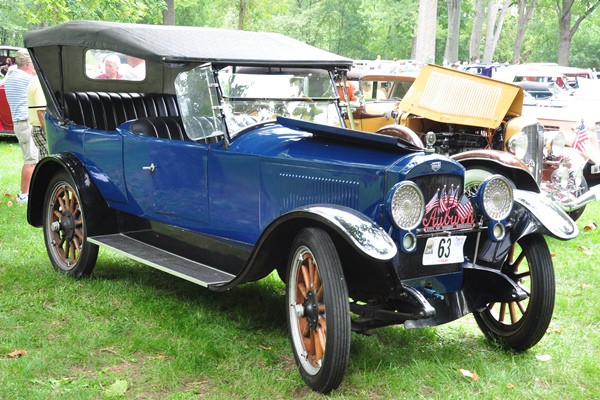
x: 15, y: 86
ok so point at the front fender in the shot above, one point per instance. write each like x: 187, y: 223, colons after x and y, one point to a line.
x: 272, y: 249
x: 360, y: 231
x: 548, y: 218
x: 499, y: 162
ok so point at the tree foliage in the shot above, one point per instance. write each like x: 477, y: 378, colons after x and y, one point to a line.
x: 359, y: 29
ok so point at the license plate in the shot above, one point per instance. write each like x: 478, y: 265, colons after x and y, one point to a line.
x: 444, y: 250
x: 596, y: 169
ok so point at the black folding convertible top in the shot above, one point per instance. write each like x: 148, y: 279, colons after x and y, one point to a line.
x: 168, y: 43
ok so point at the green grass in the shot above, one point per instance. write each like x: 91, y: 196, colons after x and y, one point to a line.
x: 133, y: 332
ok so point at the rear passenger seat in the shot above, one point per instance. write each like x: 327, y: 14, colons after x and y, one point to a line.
x: 107, y: 110
x: 160, y: 127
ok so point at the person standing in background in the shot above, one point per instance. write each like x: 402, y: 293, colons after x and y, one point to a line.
x: 15, y: 86
x: 36, y: 102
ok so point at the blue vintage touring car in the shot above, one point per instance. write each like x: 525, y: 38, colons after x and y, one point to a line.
x: 220, y: 156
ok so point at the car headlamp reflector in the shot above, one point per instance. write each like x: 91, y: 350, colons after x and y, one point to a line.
x: 406, y: 205
x: 495, y: 197
x: 517, y: 145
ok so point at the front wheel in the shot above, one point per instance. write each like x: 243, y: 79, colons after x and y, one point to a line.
x: 519, y: 325
x: 65, y: 229
x: 474, y: 177
x: 318, y: 310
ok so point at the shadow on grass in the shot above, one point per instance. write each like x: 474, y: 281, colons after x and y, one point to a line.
x: 259, y: 306
x: 263, y: 300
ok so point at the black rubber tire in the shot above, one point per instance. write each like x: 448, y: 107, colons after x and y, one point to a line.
x: 530, y: 265
x: 65, y: 231
x: 318, y: 310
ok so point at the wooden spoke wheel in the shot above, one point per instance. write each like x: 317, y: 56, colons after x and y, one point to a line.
x: 519, y: 325
x: 318, y: 310
x: 65, y: 231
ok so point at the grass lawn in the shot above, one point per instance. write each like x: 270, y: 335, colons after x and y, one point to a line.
x: 133, y: 332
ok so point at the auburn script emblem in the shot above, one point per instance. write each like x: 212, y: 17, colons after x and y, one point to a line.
x: 449, y: 208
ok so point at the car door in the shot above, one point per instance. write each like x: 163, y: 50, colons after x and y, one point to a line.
x: 167, y: 179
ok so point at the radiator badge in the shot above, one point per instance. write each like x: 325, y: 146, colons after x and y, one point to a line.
x: 449, y: 208
x: 436, y: 165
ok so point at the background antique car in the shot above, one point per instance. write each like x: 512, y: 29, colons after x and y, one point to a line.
x: 6, y: 123
x: 228, y: 161
x: 489, y: 118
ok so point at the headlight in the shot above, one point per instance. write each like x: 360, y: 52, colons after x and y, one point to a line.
x: 517, y: 145
x: 554, y: 144
x: 495, y: 197
x: 406, y: 205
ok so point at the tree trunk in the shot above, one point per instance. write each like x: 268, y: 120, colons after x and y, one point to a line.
x: 425, y: 43
x: 564, y: 33
x: 525, y: 13
x: 475, y: 42
x: 169, y: 13
x: 242, y: 15
x: 451, y: 52
x: 494, y: 28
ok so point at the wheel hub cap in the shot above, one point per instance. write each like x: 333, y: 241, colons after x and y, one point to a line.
x: 311, y: 310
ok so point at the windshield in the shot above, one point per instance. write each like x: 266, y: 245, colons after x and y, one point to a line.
x: 254, y: 95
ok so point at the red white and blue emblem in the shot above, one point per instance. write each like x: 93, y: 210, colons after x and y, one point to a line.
x: 449, y: 208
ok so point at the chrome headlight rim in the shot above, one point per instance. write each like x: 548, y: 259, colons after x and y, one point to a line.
x: 518, y: 144
x: 406, y: 205
x: 495, y: 198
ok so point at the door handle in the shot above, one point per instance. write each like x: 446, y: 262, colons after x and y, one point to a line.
x: 150, y: 168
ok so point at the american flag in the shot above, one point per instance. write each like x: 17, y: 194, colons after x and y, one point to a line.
x: 433, y: 203
x: 582, y: 139
x: 465, y: 208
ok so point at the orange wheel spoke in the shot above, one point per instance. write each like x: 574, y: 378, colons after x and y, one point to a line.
x: 502, y: 312
x: 518, y: 261
x: 311, y: 273
x: 319, y: 346
x: 305, y: 276
x: 513, y: 313
x: 320, y: 293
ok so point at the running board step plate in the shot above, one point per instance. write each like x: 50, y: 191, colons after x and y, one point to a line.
x: 187, y: 269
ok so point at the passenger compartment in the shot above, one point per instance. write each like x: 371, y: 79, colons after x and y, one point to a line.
x: 107, y: 110
x: 160, y: 127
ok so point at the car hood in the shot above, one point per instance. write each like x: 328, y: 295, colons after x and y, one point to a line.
x: 450, y: 96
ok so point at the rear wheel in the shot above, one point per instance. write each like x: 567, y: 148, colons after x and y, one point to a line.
x: 318, y: 310
x: 65, y: 229
x: 519, y: 325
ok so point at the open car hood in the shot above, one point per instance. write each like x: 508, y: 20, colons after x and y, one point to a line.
x: 450, y: 96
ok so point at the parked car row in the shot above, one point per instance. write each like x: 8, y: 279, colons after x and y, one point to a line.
x: 232, y: 159
x: 490, y: 117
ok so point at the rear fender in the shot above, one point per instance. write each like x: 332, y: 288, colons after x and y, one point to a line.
x: 100, y: 220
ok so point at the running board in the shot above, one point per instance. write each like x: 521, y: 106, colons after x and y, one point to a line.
x: 155, y: 257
